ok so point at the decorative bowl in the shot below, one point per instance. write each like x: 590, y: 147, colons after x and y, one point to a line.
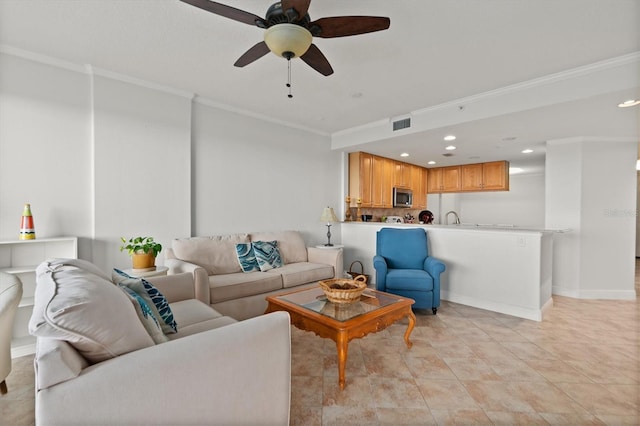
x: 344, y: 290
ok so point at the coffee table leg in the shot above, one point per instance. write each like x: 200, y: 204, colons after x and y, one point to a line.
x: 412, y: 323
x: 342, y: 344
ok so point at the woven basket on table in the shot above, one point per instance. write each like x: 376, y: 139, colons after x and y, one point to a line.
x: 343, y: 290
x: 355, y: 274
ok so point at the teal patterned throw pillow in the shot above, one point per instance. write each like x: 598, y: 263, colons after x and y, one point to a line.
x: 154, y: 298
x: 246, y: 257
x: 145, y: 314
x: 267, y: 254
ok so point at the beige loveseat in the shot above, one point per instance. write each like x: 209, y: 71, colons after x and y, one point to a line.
x: 221, y: 282
x: 96, y: 363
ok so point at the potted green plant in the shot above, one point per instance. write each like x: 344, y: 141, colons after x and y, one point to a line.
x: 143, y: 251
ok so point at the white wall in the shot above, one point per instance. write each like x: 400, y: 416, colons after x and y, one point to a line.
x: 74, y: 142
x: 251, y: 175
x: 142, y: 167
x: 522, y: 205
x: 591, y: 188
x: 45, y: 149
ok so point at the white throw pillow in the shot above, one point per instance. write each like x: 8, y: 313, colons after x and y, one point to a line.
x: 74, y: 304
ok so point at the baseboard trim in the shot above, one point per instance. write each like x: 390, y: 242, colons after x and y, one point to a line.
x: 502, y: 308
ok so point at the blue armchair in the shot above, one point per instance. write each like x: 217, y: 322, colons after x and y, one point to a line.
x: 403, y: 266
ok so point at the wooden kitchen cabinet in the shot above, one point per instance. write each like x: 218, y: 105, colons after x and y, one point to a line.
x: 402, y: 175
x: 495, y: 176
x: 492, y: 176
x: 419, y: 187
x: 371, y: 179
x: 444, y: 179
x: 382, y: 182
x: 360, y: 177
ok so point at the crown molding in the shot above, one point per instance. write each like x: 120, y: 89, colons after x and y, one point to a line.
x: 101, y: 72
x: 43, y: 59
x: 214, y: 104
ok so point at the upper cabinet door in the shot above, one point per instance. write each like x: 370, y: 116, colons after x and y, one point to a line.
x: 472, y: 177
x: 434, y: 180
x: 402, y: 175
x: 451, y: 179
x: 495, y: 176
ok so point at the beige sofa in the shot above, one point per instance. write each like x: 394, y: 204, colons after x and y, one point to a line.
x: 221, y: 282
x: 96, y: 363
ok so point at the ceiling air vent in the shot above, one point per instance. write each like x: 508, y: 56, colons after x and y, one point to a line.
x: 402, y: 124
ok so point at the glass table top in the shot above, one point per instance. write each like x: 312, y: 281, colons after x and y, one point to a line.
x: 315, y: 300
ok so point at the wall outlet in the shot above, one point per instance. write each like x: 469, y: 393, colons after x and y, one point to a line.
x: 521, y: 241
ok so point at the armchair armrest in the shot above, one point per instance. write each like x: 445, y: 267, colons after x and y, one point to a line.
x: 240, y: 373
x: 380, y: 265
x: 200, y: 277
x: 433, y: 266
x: 333, y: 257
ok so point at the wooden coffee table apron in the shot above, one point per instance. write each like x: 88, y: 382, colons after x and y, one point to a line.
x: 311, y: 311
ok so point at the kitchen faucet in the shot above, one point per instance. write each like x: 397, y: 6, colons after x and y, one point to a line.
x: 446, y: 218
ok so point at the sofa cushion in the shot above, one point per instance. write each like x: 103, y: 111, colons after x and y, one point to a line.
x: 295, y: 274
x: 234, y: 286
x: 152, y: 296
x: 216, y: 254
x: 87, y: 310
x: 56, y: 361
x: 195, y: 317
x: 267, y: 254
x: 247, y: 257
x: 145, y: 315
x: 290, y: 244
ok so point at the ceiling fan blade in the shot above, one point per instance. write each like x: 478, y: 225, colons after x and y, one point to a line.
x: 300, y: 6
x: 228, y: 12
x: 256, y: 52
x: 342, y: 26
x: 316, y: 60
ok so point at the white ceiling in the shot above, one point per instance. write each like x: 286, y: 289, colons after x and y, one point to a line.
x: 437, y: 53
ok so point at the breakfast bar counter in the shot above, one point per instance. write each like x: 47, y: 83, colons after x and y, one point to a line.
x: 498, y: 268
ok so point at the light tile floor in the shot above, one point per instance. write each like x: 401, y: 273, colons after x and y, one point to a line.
x: 581, y: 365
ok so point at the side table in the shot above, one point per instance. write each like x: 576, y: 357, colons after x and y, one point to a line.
x: 137, y: 273
x: 335, y: 246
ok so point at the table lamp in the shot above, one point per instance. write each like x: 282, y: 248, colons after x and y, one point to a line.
x: 328, y: 216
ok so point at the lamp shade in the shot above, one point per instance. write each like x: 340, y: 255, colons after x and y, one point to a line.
x: 283, y: 38
x: 328, y: 215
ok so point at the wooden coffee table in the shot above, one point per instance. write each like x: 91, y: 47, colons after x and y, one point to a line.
x: 311, y: 311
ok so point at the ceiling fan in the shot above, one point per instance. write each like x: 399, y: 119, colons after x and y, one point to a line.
x: 289, y: 30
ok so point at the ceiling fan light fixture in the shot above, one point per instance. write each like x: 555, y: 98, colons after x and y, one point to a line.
x: 287, y: 39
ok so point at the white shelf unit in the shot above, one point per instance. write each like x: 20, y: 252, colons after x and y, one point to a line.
x: 20, y: 258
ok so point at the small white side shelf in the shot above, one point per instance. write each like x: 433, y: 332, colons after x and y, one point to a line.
x: 21, y: 258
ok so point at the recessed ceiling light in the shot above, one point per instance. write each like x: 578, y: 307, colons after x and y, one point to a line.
x: 629, y: 103
x: 527, y: 151
x: 449, y: 138
x: 450, y: 148
x: 404, y: 154
x: 515, y: 170
x: 433, y: 162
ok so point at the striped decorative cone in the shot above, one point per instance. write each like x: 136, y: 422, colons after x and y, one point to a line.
x: 27, y: 231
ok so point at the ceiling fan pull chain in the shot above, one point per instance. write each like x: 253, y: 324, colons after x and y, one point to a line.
x: 289, y: 77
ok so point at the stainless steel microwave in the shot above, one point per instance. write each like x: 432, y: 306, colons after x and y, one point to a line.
x: 402, y: 197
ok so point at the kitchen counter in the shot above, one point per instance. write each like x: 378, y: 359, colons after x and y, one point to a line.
x: 503, y: 269
x: 467, y: 226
